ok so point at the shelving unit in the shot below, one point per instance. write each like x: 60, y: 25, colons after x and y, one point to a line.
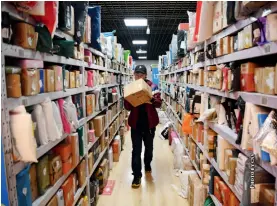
x: 8, y: 104
x: 168, y: 77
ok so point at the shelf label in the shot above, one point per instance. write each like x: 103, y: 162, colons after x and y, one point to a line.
x: 267, y: 48
x: 21, y: 52
x: 264, y: 100
x: 25, y: 102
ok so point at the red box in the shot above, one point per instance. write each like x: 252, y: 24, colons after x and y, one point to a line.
x: 64, y: 150
x: 233, y: 200
x: 225, y: 193
x: 183, y: 26
x: 217, y: 188
x: 68, y: 193
x: 247, y: 76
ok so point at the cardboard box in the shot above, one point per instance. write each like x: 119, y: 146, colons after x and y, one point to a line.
x: 77, y: 79
x: 219, y: 47
x: 116, y: 150
x: 53, y: 201
x: 66, y: 79
x: 58, y: 72
x: 224, y: 16
x: 248, y: 36
x: 233, y: 200
x: 258, y: 78
x: 102, y: 142
x: 98, y: 123
x: 227, y: 45
x: 197, y: 191
x: 217, y: 192
x: 89, y: 104
x: 81, y: 172
x: 25, y: 35
x: 275, y: 79
x: 30, y: 82
x: 73, y: 140
x: 201, y: 77
x: 267, y: 194
x: 87, y: 35
x: 49, y: 80
x: 218, y: 78
x: 241, y: 40
x: 138, y: 92
x: 55, y: 168
x: 72, y: 80
x: 191, y: 180
x: 247, y: 77
x: 228, y: 154
x: 90, y: 162
x: 13, y: 85
x: 218, y: 17
x: 232, y: 170
x: 268, y: 80
x: 231, y: 44
x: 105, y: 168
x: 33, y: 181
x: 43, y: 177
x: 68, y: 192
x: 225, y: 193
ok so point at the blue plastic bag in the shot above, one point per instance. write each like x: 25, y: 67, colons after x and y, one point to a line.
x: 95, y: 15
x: 23, y: 187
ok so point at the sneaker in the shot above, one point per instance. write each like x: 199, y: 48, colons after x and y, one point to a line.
x: 136, y: 182
x: 148, y: 169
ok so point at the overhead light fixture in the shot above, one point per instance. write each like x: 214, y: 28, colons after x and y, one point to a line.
x: 141, y: 51
x: 143, y: 57
x: 148, y: 30
x: 139, y: 41
x: 136, y: 22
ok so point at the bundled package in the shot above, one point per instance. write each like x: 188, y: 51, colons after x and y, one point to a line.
x: 137, y: 92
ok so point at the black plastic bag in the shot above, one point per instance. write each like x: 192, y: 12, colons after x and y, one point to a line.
x: 230, y: 13
x: 65, y: 15
x: 80, y: 13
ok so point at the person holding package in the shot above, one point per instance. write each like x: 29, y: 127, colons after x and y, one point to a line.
x: 143, y: 120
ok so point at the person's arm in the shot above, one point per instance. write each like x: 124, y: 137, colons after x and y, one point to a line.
x: 156, y: 100
x: 127, y: 105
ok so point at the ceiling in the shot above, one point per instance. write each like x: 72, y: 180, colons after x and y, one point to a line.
x: 163, y: 20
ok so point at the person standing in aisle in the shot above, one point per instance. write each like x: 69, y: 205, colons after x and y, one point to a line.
x: 143, y: 121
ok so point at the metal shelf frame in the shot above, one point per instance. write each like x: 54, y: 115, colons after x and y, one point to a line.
x: 269, y: 101
x: 8, y: 104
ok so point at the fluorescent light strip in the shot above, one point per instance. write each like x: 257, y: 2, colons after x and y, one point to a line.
x: 136, y: 22
x: 142, y: 57
x: 141, y: 52
x: 139, y: 42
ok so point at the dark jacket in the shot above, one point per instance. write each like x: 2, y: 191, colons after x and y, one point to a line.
x: 153, y: 118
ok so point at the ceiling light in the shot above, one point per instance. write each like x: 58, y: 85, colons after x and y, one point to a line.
x: 141, y: 51
x: 139, y: 42
x: 136, y: 22
x: 148, y: 30
x: 144, y: 57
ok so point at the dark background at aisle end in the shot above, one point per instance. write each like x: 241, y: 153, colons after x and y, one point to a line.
x: 163, y: 20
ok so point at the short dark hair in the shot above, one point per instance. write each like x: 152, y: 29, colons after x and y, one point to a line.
x: 141, y: 69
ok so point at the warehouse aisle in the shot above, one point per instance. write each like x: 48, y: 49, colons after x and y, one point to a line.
x: 155, y: 190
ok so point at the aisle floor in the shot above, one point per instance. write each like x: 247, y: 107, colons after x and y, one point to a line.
x: 155, y: 190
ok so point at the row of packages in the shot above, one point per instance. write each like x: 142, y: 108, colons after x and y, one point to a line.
x: 45, y: 122
x: 30, y: 79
